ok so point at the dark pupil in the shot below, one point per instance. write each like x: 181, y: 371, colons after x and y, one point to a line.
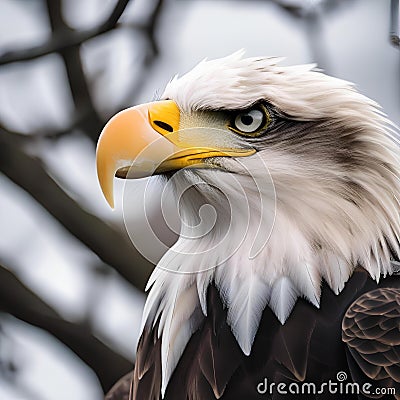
x: 246, y: 119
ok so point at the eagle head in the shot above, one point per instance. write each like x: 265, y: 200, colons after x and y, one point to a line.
x: 301, y: 170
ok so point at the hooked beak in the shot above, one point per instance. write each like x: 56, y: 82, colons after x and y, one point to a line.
x: 144, y: 140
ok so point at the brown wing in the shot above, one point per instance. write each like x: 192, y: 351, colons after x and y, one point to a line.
x: 120, y: 391
x: 371, y: 330
x: 147, y: 374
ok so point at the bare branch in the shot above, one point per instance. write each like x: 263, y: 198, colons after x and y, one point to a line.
x: 19, y: 301
x: 62, y: 41
x: 110, y: 246
x: 80, y: 92
x: 395, y: 23
x: 150, y: 51
x: 151, y: 25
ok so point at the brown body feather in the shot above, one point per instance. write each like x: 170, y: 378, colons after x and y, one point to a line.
x: 307, y: 348
x: 121, y: 389
x: 371, y: 330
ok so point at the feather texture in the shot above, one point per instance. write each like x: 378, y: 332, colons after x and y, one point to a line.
x: 245, y: 308
x: 371, y: 330
x: 283, y: 298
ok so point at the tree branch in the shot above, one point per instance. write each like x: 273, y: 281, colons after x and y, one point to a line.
x: 150, y: 51
x: 80, y: 92
x: 19, y: 301
x: 151, y: 25
x: 110, y: 246
x: 62, y: 41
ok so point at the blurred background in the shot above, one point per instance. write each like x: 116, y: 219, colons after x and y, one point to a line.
x: 71, y: 283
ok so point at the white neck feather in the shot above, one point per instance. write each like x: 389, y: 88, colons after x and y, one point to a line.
x: 321, y: 237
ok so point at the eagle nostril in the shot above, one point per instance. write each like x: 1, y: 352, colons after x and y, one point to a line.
x: 164, y: 125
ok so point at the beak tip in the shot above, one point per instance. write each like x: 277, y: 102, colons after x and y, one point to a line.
x: 108, y: 194
x: 111, y: 203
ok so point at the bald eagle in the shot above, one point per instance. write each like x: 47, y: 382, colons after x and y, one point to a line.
x: 292, y: 287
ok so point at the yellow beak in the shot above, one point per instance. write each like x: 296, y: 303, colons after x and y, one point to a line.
x: 144, y: 140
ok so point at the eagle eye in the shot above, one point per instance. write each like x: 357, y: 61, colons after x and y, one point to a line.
x: 250, y: 122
